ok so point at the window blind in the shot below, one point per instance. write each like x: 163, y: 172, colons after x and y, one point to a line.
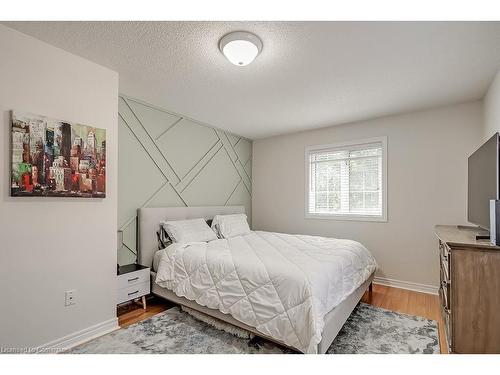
x: 346, y: 180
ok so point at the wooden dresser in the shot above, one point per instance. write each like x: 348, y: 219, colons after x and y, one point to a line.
x: 469, y: 290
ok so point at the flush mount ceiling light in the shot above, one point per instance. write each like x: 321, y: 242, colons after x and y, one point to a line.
x: 240, y: 47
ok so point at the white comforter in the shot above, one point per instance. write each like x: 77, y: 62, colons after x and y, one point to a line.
x: 281, y: 284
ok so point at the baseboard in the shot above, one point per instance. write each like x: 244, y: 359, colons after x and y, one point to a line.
x: 423, y: 288
x: 79, y: 337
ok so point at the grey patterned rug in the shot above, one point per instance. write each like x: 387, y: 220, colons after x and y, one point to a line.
x: 369, y: 329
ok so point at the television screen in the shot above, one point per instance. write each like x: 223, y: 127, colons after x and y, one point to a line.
x: 483, y: 179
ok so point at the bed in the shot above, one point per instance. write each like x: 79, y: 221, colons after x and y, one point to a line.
x: 297, y: 291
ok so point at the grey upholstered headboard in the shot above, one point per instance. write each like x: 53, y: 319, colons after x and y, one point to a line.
x: 149, y: 223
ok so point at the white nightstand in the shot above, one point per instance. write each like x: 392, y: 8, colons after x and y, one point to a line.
x: 133, y: 282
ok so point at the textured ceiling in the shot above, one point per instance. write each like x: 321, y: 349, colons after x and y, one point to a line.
x: 309, y: 75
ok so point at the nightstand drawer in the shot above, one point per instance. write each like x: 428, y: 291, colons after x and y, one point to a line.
x: 133, y: 278
x: 132, y: 292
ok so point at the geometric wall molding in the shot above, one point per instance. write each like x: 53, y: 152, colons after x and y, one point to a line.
x: 167, y: 160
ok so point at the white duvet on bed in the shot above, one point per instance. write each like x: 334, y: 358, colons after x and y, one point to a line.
x: 281, y: 284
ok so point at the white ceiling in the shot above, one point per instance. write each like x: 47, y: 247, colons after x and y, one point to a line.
x: 309, y: 75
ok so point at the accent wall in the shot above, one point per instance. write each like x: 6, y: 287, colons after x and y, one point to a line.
x: 168, y: 160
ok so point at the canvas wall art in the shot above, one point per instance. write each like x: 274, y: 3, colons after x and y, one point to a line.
x: 56, y: 158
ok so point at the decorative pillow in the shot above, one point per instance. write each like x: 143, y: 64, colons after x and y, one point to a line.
x: 227, y: 226
x: 163, y: 238
x: 195, y: 230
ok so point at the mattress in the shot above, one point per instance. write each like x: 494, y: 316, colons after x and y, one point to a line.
x: 281, y: 284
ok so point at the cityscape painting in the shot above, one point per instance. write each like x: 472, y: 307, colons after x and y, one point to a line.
x: 56, y: 158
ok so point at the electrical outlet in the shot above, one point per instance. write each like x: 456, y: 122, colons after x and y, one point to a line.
x: 70, y: 297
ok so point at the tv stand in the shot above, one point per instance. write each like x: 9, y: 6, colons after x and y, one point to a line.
x: 468, y: 290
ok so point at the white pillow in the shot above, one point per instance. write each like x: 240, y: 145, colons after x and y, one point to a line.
x: 195, y: 230
x: 228, y: 226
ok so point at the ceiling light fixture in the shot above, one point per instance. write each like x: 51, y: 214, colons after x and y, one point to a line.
x: 240, y: 47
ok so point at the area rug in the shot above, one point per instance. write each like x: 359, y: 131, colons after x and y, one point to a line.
x: 369, y: 329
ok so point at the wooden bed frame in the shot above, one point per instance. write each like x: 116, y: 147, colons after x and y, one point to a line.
x: 148, y: 221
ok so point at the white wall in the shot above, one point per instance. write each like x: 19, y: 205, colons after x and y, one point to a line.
x: 427, y: 185
x: 49, y: 245
x: 492, y: 108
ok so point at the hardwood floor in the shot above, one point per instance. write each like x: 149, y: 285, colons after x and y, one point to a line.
x: 133, y: 313
x: 400, y: 300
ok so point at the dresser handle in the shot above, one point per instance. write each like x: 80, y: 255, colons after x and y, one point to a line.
x: 133, y: 292
x: 135, y: 278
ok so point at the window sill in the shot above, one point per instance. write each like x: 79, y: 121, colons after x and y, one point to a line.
x: 380, y: 219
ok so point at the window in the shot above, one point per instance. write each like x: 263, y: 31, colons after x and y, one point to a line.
x: 347, y: 181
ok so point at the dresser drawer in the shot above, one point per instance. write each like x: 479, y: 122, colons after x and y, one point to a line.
x: 445, y: 270
x: 132, y: 292
x: 444, y: 250
x: 447, y: 327
x: 133, y: 278
x: 444, y: 296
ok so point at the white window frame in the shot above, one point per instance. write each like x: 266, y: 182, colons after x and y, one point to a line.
x: 348, y: 217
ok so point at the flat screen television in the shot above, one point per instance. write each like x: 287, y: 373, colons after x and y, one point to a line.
x: 483, y: 182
